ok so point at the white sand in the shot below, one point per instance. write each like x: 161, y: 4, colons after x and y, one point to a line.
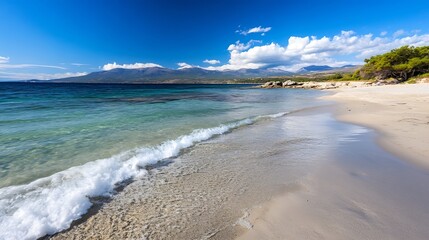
x: 374, y: 196
x: 399, y: 112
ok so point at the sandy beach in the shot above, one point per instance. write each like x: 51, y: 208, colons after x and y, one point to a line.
x: 305, y: 175
x: 400, y: 113
x: 373, y: 196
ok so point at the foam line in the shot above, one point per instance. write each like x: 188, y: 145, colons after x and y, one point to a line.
x: 49, y: 205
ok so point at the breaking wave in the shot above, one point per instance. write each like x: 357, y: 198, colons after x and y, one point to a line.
x: 49, y: 205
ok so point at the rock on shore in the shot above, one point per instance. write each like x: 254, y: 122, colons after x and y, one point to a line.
x: 317, y: 85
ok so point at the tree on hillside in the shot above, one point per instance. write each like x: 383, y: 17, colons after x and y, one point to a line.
x: 401, y: 63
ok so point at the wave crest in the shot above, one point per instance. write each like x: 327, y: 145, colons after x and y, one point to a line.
x: 48, y: 205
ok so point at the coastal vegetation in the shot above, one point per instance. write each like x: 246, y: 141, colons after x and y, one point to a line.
x: 401, y: 64
x: 404, y: 64
x: 315, y: 77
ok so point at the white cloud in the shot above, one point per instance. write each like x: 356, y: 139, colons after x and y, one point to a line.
x: 310, y: 50
x: 259, y: 29
x: 113, y: 65
x: 23, y: 71
x: 183, y: 65
x: 4, y: 59
x: 398, y: 33
x: 79, y: 64
x: 383, y: 33
x: 6, y: 65
x: 39, y: 76
x: 238, y: 46
x: 61, y: 75
x: 212, y: 62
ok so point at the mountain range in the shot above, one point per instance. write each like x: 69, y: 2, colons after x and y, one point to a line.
x: 186, y: 75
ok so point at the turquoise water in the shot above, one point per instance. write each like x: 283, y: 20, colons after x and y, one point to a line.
x: 46, y: 128
x: 61, y: 144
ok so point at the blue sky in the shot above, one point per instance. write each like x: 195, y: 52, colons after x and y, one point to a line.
x: 56, y: 38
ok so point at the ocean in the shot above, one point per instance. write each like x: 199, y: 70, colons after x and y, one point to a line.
x: 63, y: 144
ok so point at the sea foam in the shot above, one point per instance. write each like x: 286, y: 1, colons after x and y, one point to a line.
x: 49, y: 205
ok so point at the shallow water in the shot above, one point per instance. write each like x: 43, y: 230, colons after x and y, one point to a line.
x: 205, y: 192
x: 65, y: 143
x: 191, y: 183
x: 46, y: 128
x: 356, y: 190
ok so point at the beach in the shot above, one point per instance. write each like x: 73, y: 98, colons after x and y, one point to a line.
x: 304, y: 167
x: 303, y: 175
x: 207, y: 192
x: 400, y: 113
x: 362, y: 195
x: 214, y: 120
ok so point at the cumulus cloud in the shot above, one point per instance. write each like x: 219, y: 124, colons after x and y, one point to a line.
x: 238, y: 46
x: 259, y: 29
x: 311, y: 50
x: 398, y: 33
x: 114, y: 65
x: 183, y: 65
x: 383, y: 33
x: 4, y: 59
x: 212, y: 62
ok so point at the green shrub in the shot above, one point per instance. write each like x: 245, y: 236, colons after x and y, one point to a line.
x: 401, y: 63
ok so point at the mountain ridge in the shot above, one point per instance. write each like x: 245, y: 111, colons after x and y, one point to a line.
x: 183, y: 75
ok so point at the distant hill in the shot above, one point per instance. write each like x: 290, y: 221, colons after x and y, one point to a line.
x: 166, y: 75
x: 326, y: 68
x: 314, y: 68
x: 184, y: 75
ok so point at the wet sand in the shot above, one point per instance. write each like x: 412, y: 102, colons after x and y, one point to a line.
x: 364, y: 193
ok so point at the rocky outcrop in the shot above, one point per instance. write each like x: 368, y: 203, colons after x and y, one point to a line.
x: 318, y: 85
x: 289, y: 83
x: 272, y: 84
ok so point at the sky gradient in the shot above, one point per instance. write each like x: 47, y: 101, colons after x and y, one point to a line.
x: 50, y: 39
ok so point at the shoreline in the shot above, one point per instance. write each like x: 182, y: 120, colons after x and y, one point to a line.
x: 329, y: 208
x: 306, y: 175
x: 347, y: 188
x: 399, y: 113
x: 136, y: 134
x: 217, y: 182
